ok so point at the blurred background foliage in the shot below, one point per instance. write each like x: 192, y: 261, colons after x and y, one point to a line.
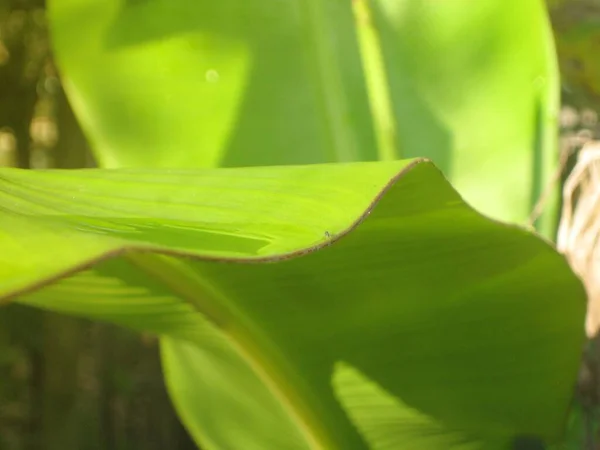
x: 66, y: 383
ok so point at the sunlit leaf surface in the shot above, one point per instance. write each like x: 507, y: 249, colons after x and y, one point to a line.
x: 346, y: 306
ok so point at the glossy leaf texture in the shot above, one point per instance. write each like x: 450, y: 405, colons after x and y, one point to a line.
x: 369, y: 308
x: 198, y: 83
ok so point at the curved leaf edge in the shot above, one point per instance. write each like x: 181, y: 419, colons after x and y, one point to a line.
x: 131, y: 251
x: 128, y: 249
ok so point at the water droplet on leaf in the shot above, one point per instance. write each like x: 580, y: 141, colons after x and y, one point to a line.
x: 212, y: 76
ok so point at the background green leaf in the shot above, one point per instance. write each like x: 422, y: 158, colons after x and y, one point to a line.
x: 181, y: 83
x: 189, y: 83
x: 475, y: 88
x: 397, y: 320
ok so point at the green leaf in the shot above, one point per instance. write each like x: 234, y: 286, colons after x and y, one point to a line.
x: 474, y: 87
x: 198, y: 83
x: 327, y: 306
x: 181, y: 83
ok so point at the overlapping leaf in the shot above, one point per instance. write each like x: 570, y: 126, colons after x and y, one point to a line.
x: 379, y: 309
x: 373, y: 330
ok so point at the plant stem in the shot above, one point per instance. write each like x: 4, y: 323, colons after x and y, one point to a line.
x: 546, y: 145
x: 377, y: 82
x: 327, y: 74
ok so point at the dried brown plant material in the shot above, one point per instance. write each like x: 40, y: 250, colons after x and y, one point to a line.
x: 579, y: 228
